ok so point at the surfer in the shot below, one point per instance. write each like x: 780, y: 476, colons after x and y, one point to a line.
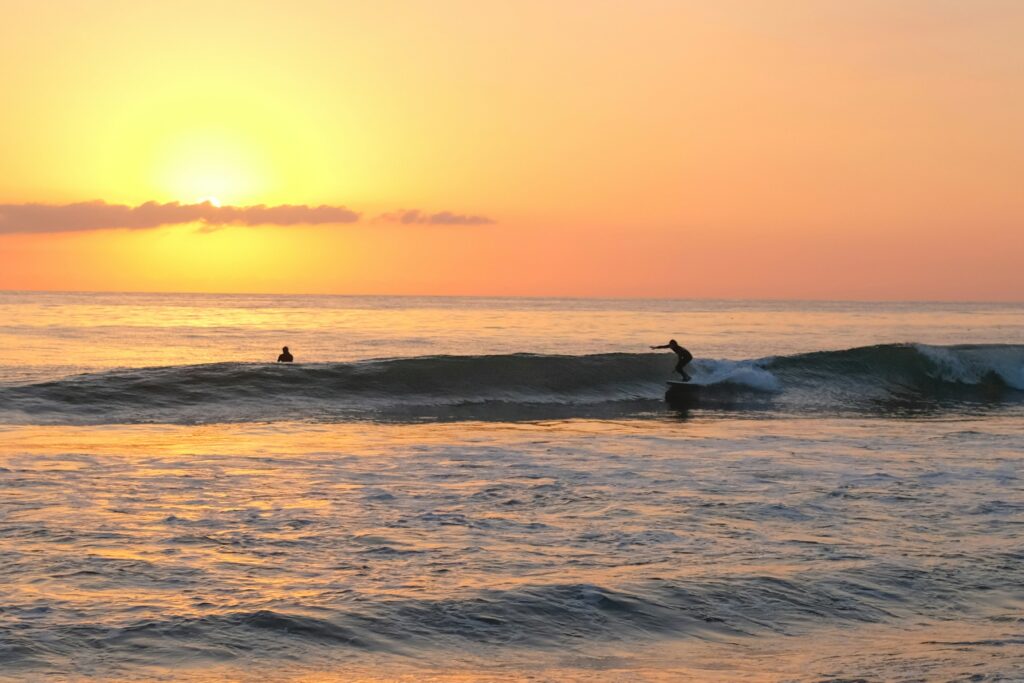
x: 285, y: 356
x: 684, y: 357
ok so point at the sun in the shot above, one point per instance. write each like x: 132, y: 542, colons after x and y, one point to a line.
x: 213, y: 201
x: 211, y: 163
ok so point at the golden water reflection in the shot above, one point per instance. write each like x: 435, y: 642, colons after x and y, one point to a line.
x: 708, y: 550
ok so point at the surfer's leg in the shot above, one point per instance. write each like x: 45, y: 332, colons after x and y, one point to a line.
x: 679, y: 369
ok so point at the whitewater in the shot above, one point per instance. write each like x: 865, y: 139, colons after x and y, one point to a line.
x: 496, y: 489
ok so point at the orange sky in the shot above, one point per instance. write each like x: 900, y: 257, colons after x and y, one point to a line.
x: 734, y: 148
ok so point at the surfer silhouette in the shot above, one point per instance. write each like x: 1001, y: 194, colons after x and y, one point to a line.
x: 684, y: 357
x: 285, y: 356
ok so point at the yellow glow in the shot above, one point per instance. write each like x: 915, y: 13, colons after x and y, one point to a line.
x: 210, y: 163
x: 798, y: 149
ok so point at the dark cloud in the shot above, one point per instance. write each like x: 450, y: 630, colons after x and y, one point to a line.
x: 98, y: 215
x: 417, y: 217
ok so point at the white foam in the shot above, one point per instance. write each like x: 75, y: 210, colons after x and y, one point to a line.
x: 748, y: 373
x: 970, y: 365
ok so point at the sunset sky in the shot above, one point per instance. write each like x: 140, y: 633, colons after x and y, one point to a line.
x: 728, y: 148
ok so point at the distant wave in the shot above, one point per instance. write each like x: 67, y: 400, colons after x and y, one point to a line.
x: 517, y: 385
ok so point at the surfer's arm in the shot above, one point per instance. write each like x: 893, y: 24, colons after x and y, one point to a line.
x: 663, y: 346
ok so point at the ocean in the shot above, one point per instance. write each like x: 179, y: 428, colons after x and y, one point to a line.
x: 480, y: 489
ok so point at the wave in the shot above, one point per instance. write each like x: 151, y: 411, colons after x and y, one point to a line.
x: 536, y: 616
x: 521, y: 385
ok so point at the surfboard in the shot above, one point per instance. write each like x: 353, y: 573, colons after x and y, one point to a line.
x: 682, y: 391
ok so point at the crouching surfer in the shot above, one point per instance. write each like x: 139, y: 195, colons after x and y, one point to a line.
x: 285, y: 357
x: 684, y: 357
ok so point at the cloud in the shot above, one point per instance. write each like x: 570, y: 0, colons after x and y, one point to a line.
x: 417, y: 217
x: 98, y: 215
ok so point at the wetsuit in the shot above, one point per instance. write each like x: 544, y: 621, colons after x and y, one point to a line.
x: 684, y: 358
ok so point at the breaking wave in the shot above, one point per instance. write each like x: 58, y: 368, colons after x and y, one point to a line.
x: 523, y: 386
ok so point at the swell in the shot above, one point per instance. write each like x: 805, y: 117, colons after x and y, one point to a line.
x: 260, y: 391
x: 541, y: 616
x: 533, y: 385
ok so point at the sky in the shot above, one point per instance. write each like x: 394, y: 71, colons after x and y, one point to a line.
x: 808, y: 149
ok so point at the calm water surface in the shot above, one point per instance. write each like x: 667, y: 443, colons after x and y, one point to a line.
x: 476, y: 489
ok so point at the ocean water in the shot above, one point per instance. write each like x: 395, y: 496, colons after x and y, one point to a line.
x: 497, y: 489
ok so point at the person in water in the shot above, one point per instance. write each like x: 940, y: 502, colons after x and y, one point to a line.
x: 684, y: 357
x: 285, y: 356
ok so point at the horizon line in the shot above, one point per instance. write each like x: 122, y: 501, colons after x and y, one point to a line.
x: 519, y: 296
